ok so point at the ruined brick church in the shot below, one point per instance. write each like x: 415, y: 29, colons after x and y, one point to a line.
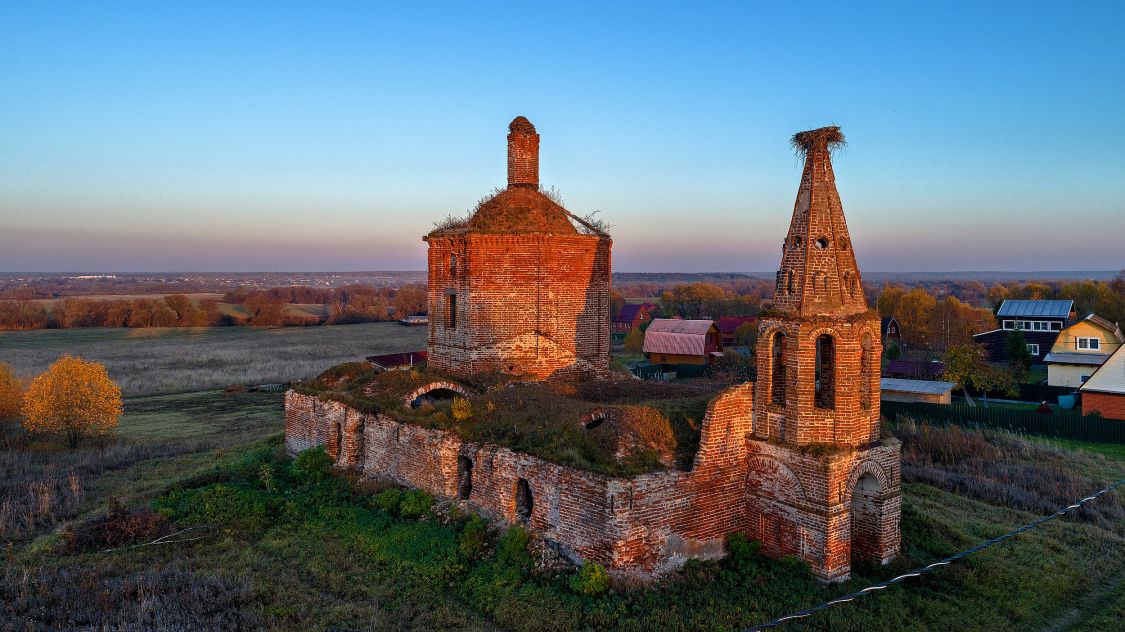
x: 794, y: 459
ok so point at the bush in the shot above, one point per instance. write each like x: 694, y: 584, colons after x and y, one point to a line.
x: 116, y: 528
x: 72, y: 398
x: 415, y: 503
x: 512, y: 549
x: 590, y: 580
x: 218, y: 504
x: 473, y: 537
x: 11, y: 393
x: 311, y: 466
x: 389, y: 500
x: 461, y: 409
x: 740, y: 547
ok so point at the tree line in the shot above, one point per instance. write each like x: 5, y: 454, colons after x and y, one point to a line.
x: 259, y: 308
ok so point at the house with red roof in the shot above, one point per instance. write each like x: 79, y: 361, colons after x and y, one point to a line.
x: 728, y: 324
x: 632, y: 316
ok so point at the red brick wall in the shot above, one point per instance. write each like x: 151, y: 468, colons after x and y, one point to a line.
x: 795, y: 503
x: 1108, y: 405
x: 854, y: 419
x: 523, y: 157
x: 528, y: 304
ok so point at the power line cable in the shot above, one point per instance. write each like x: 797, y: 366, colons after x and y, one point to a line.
x: 929, y: 567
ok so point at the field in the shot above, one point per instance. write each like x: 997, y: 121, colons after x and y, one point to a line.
x: 174, y: 360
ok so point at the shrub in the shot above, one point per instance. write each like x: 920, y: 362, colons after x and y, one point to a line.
x: 116, y: 528
x: 415, y: 503
x: 311, y: 466
x: 461, y: 409
x: 11, y: 393
x: 72, y: 398
x: 590, y: 580
x: 389, y: 500
x: 218, y: 504
x: 473, y: 537
x: 741, y: 547
x: 512, y: 549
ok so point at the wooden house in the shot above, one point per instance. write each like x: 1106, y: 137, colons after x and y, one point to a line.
x: 632, y: 316
x: 890, y: 330
x: 1080, y: 349
x: 1040, y: 321
x: 674, y: 341
x: 1104, y: 392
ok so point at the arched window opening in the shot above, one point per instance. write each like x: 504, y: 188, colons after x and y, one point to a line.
x: 464, y: 477
x: 435, y: 397
x: 825, y: 371
x: 777, y: 371
x: 452, y: 265
x: 524, y: 501
x: 865, y: 363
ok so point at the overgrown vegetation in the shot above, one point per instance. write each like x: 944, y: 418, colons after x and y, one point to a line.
x: 539, y: 419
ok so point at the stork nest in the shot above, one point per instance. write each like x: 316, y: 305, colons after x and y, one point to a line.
x: 821, y: 139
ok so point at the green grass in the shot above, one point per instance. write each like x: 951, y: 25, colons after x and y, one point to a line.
x: 300, y: 554
x: 1114, y: 450
x: 172, y: 360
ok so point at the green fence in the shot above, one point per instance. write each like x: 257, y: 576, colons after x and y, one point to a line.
x: 1062, y: 426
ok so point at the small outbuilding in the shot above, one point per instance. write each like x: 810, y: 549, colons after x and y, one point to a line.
x: 926, y: 391
x: 674, y: 341
x: 1104, y: 392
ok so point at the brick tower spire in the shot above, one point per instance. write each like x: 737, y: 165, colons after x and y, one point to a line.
x: 523, y: 154
x: 818, y: 273
x: 818, y: 349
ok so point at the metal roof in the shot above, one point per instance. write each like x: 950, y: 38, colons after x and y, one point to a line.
x: 1110, y: 376
x: 677, y: 326
x: 1068, y: 357
x: 1044, y: 309
x: 926, y: 387
x: 677, y: 337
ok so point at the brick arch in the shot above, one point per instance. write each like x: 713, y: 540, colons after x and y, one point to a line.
x: 603, y: 414
x: 861, y: 468
x: 831, y: 331
x: 764, y: 469
x: 433, y: 386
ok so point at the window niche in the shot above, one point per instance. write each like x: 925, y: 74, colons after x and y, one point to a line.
x: 825, y: 385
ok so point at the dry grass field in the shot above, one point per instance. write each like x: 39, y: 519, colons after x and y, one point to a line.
x: 173, y: 360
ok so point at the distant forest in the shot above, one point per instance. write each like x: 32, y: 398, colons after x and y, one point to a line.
x: 60, y: 301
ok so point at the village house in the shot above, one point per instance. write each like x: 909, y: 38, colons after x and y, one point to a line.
x: 632, y: 316
x: 1104, y: 392
x: 729, y: 324
x: 925, y: 391
x: 1080, y: 349
x: 677, y: 341
x: 1040, y: 320
x: 519, y: 334
x: 890, y: 331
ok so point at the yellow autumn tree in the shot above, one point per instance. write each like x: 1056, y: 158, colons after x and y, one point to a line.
x: 11, y: 394
x: 72, y: 398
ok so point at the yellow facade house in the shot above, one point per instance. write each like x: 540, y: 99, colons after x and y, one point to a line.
x: 1080, y: 349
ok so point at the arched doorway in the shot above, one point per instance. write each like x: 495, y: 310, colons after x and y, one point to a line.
x: 524, y: 501
x: 865, y: 518
x: 464, y: 477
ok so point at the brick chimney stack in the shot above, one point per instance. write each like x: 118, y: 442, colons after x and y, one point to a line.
x: 523, y: 154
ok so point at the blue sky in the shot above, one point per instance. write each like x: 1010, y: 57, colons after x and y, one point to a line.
x: 330, y: 136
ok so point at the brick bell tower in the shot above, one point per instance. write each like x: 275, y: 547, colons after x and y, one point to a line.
x: 818, y: 348
x: 522, y: 287
x: 822, y: 484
